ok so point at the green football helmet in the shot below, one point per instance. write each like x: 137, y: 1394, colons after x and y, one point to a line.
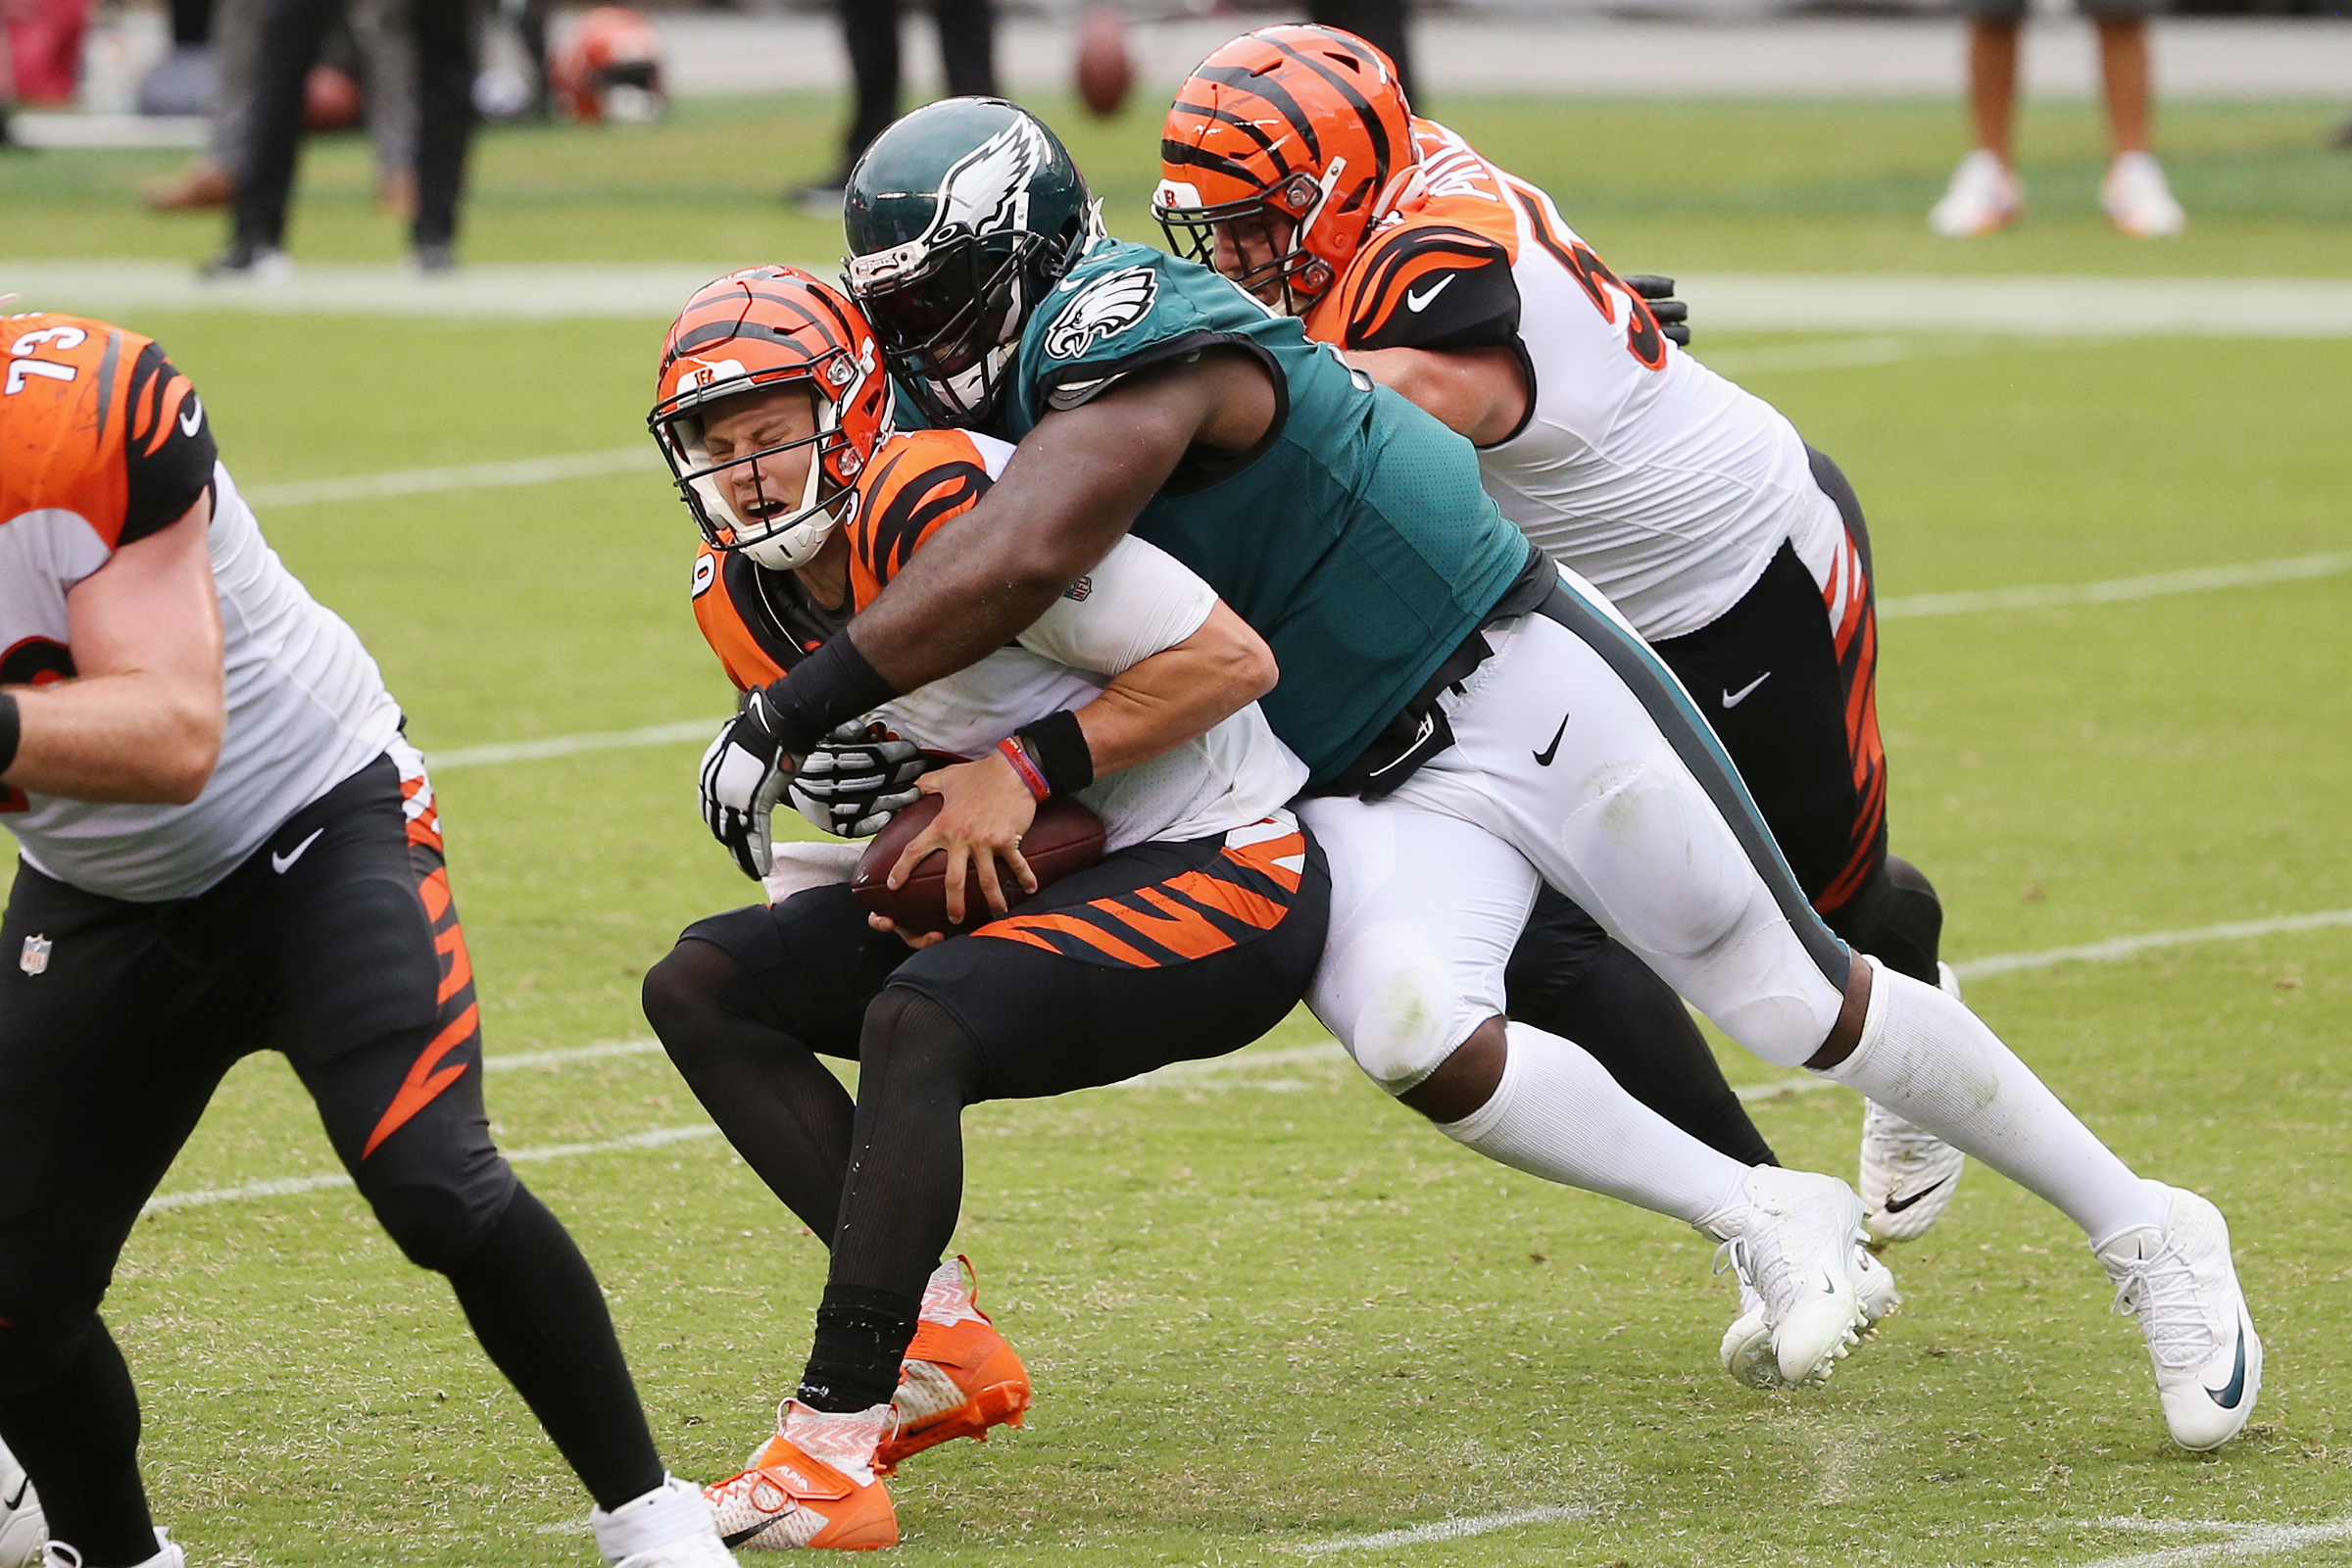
x: 962, y: 217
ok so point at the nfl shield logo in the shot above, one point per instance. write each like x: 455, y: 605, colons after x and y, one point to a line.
x: 36, y: 954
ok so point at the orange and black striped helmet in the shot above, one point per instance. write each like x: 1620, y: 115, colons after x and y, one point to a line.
x: 760, y: 329
x: 1280, y: 153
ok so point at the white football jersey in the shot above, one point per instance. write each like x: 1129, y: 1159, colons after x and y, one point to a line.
x: 1660, y: 482
x: 1136, y: 601
x: 306, y: 708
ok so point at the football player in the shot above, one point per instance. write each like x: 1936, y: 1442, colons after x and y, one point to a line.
x: 1133, y: 691
x: 1291, y: 163
x: 228, y: 846
x: 1475, y: 722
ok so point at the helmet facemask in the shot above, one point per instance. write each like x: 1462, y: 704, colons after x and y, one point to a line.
x: 781, y: 532
x: 1273, y: 224
x: 950, y: 314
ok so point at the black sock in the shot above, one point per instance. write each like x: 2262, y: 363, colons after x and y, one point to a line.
x: 917, y: 1069
x: 861, y: 1337
x: 784, y: 1112
x: 539, y: 1313
x: 77, y: 1434
x: 1634, y: 1025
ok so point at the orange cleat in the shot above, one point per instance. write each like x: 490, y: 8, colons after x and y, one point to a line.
x: 798, y: 1500
x: 960, y: 1376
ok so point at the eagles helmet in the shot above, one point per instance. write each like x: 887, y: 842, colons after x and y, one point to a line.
x: 962, y: 217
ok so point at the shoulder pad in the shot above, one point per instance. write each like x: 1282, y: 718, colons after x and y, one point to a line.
x: 1430, y: 286
x: 918, y: 481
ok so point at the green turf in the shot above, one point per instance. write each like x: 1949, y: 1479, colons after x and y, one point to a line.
x: 1771, y: 186
x: 1280, y: 1311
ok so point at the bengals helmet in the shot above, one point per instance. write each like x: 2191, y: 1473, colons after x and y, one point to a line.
x: 750, y: 331
x: 609, y: 68
x: 961, y: 218
x: 1291, y: 141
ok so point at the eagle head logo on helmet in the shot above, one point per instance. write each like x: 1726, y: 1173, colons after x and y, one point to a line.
x: 799, y: 347
x: 1282, y: 151
x: 961, y: 218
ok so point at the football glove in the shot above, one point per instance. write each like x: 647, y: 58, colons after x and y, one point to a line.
x: 1673, y: 314
x: 861, y: 777
x: 743, y: 775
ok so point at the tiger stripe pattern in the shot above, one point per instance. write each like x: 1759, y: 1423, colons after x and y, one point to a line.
x: 1853, y: 609
x: 1244, y: 892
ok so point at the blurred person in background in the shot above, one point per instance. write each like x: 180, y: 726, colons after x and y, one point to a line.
x: 1985, y: 193
x: 230, y: 31
x: 1379, y: 22
x: 967, y: 49
x: 291, y: 33
x: 372, y: 40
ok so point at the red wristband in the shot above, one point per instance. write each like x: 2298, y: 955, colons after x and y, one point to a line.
x: 1030, y: 774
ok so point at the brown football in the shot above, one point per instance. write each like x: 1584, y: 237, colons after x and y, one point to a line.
x: 1066, y: 837
x: 1105, y: 70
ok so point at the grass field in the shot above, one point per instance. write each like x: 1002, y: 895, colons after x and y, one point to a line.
x: 1269, y: 1312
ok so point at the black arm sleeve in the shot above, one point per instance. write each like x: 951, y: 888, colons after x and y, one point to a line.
x: 167, y: 451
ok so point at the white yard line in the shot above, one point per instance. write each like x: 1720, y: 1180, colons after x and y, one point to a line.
x: 2120, y: 590
x: 462, y: 477
x: 1234, y: 1073
x: 654, y: 1138
x: 2120, y: 948
x: 2015, y: 307
x: 614, y: 740
x: 1441, y: 1530
x: 2236, y: 1541
x: 2115, y: 590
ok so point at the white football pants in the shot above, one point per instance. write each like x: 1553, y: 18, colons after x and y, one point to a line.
x: 1560, y: 773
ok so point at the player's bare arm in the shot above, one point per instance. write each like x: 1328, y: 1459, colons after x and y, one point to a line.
x: 142, y: 721
x: 1176, y: 695
x: 1072, y: 489
x: 1480, y: 393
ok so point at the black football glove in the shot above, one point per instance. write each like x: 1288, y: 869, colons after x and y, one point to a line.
x: 861, y: 777
x: 743, y: 775
x: 1673, y: 314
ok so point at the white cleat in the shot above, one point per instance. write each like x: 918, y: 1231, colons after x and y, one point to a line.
x: 22, y: 1529
x: 1795, y: 1238
x: 168, y: 1554
x: 2139, y: 199
x: 2178, y: 1281
x: 1985, y: 194
x: 1747, y: 1353
x: 668, y: 1526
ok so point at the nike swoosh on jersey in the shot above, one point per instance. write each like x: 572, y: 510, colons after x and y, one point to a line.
x: 2228, y: 1396
x: 192, y: 416
x: 1895, y: 1205
x: 1418, y: 301
x: 1734, y: 699
x: 282, y: 864
x: 1544, y: 757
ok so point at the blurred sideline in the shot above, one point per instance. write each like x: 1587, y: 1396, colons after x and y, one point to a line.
x: 1776, y: 56
x: 1722, y: 301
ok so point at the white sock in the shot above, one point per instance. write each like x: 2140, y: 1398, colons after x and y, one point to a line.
x: 672, y: 1511
x: 1933, y: 1062
x: 1558, y: 1114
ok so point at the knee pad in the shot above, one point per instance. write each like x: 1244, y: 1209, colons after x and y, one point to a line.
x: 33, y: 1355
x: 1402, y: 1026
x: 439, y: 1225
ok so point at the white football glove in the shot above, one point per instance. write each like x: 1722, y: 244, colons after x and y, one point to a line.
x: 858, y: 780
x: 743, y: 775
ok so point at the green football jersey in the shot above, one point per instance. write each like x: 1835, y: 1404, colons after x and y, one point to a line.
x: 1356, y: 538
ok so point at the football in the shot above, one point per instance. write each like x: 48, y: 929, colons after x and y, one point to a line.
x: 1066, y: 837
x: 1105, y: 70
